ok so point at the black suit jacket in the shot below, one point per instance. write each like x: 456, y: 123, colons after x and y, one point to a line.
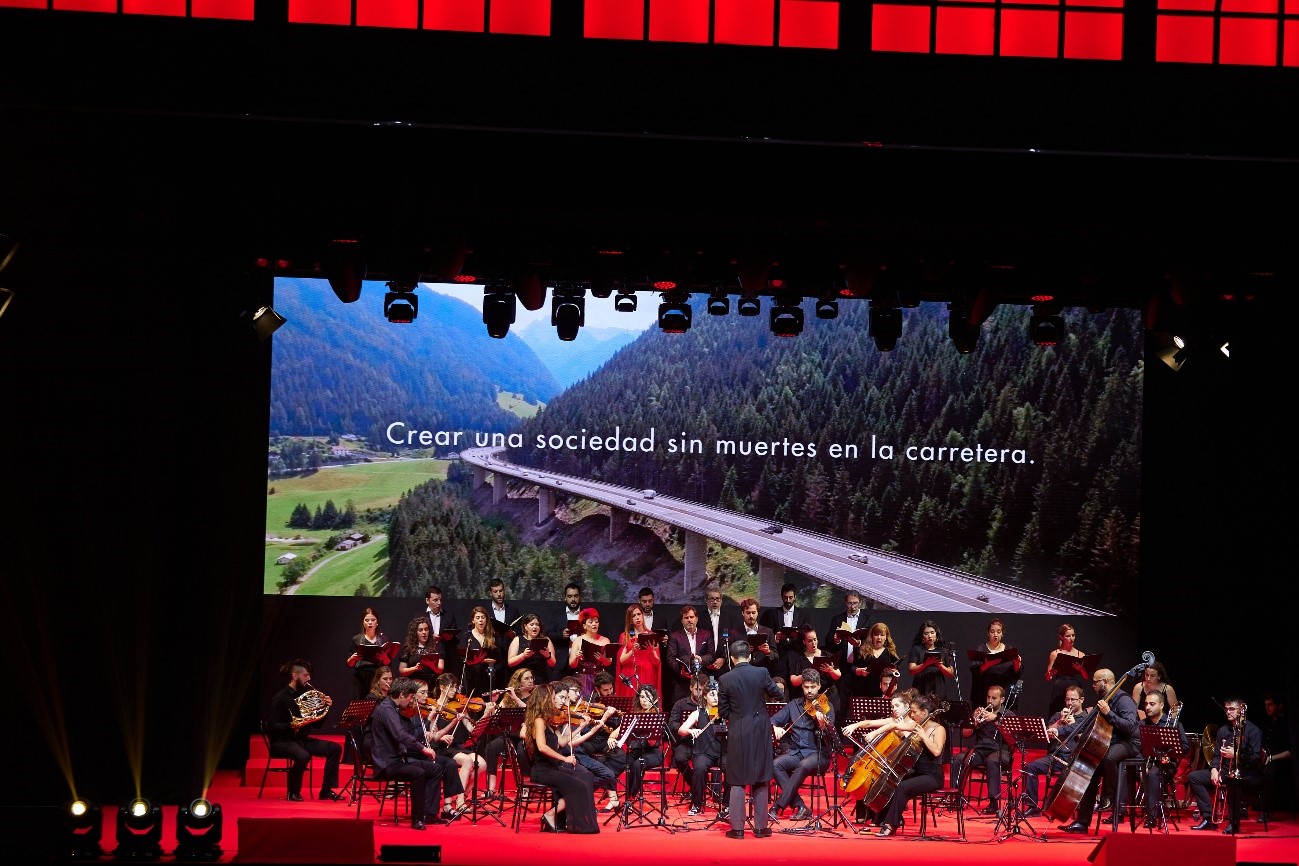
x: 448, y: 649
x: 773, y: 619
x: 679, y: 651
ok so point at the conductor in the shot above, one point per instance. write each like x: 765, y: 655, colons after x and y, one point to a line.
x: 742, y: 700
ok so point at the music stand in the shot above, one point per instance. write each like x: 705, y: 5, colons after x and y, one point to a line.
x: 860, y: 709
x: 1017, y: 731
x: 645, y: 725
x: 817, y: 824
x: 1156, y: 742
x: 355, y: 716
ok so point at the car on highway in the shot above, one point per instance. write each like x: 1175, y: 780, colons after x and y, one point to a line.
x: 858, y: 557
x: 631, y: 501
x: 648, y: 494
x: 773, y: 529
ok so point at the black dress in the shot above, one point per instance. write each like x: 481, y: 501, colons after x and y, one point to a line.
x: 930, y: 681
x: 477, y: 682
x: 574, y: 784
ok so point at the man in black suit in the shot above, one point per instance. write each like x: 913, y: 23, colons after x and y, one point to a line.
x: 398, y: 755
x: 742, y: 700
x: 558, y: 627
x: 691, y: 652
x: 440, y: 621
x: 504, y: 618
x: 290, y: 734
x: 785, y: 616
x: 722, y: 625
x: 852, y: 619
x: 761, y: 640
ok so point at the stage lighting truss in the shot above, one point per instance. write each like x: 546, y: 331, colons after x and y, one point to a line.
x: 81, y: 830
x: 787, y: 316
x: 400, y: 305
x: 198, y: 831
x: 499, y: 308
x: 568, y: 312
x: 675, y: 313
x: 719, y: 304
x: 139, y: 831
x: 885, y: 326
x: 1046, y: 325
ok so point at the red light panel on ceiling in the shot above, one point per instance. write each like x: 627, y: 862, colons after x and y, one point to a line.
x: 964, y: 30
x: 900, y: 28
x: 1247, y: 32
x: 614, y: 19
x: 86, y: 5
x: 401, y: 14
x: 809, y: 24
x: 229, y: 10
x: 469, y: 16
x: 1092, y: 30
x: 745, y: 23
x: 520, y: 17
x: 678, y: 21
x: 320, y: 12
x: 164, y: 8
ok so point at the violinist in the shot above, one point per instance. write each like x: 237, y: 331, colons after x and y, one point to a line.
x: 990, y: 749
x: 451, y: 723
x: 1121, y: 712
x: 421, y: 720
x: 517, y: 691
x: 683, y: 746
x: 809, y: 723
x: 641, y: 752
x: 926, y: 774
x: 1060, y: 742
x: 699, y: 729
x: 399, y: 755
x: 548, y: 736
x: 595, y: 753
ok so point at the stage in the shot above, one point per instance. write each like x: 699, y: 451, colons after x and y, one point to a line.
x: 313, y: 831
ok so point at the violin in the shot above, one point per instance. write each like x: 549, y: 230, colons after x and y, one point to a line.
x: 600, y: 712
x: 459, y: 704
x: 821, y: 704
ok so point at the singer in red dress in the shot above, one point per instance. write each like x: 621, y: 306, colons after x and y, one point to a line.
x: 637, y: 666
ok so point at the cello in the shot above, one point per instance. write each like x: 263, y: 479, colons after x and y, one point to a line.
x: 1094, y: 737
x: 881, y: 764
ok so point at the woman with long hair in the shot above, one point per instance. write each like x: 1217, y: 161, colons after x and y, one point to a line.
x: 926, y: 774
x: 417, y: 646
x: 515, y: 696
x: 876, y: 668
x: 480, y: 652
x: 1078, y: 675
x: 931, y: 663
x: 637, y: 665
x: 550, y: 748
x: 639, y: 752
x: 369, y: 635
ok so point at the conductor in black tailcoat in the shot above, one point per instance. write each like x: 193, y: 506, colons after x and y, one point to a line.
x: 742, y: 701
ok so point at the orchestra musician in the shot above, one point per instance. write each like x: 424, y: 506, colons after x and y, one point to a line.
x: 899, y: 706
x: 422, y: 720
x: 701, y: 729
x: 1161, y: 766
x: 397, y: 754
x: 683, y: 747
x: 517, y: 691
x: 600, y: 754
x: 548, y: 736
x: 1236, y: 765
x: 990, y: 749
x: 1121, y: 713
x: 810, y: 724
x: 1060, y: 742
x: 290, y: 737
x: 926, y: 774
x: 639, y: 752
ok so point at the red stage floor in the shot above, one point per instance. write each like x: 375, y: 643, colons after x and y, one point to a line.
x: 490, y: 842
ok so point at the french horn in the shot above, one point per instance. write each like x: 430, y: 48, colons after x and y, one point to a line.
x: 312, y: 707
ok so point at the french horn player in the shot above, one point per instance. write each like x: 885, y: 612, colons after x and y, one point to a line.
x: 295, y: 711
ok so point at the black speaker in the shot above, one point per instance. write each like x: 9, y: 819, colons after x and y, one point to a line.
x: 410, y: 853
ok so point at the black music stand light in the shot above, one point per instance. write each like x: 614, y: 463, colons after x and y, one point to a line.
x: 1011, y: 820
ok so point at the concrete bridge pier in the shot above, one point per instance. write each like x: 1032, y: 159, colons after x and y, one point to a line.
x: 480, y: 477
x: 696, y: 564
x: 619, y: 520
x: 771, y: 576
x: 498, y: 488
x: 545, y: 504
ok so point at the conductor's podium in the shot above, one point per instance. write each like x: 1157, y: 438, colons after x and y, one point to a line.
x: 255, y: 767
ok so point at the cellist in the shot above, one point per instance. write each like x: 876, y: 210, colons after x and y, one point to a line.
x: 1121, y: 712
x: 926, y: 774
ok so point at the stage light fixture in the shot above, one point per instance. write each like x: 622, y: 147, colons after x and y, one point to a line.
x: 8, y: 246
x: 1172, y: 349
x: 718, y: 304
x: 344, y: 268
x: 81, y: 829
x: 139, y: 831
x: 625, y: 302
x: 400, y: 307
x: 1046, y: 325
x: 827, y: 308
x: 264, y: 321
x: 568, y: 312
x: 885, y: 326
x: 786, y: 317
x: 6, y: 295
x: 198, y: 831
x: 675, y: 313
x: 499, y: 310
x: 749, y: 307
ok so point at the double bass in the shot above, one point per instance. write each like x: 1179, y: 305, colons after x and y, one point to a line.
x: 882, y: 763
x: 1093, y: 741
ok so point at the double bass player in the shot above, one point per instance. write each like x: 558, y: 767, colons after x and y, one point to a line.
x: 1119, y: 711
